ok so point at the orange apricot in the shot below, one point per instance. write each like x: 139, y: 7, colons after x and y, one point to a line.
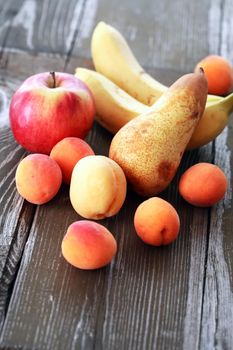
x: 38, y: 178
x: 156, y: 222
x: 219, y: 74
x: 203, y: 184
x: 98, y: 187
x: 88, y: 245
x: 67, y: 153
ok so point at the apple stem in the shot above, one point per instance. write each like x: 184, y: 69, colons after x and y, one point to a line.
x: 54, y: 79
x: 201, y: 70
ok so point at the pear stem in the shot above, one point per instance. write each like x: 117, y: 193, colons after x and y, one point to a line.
x: 54, y: 79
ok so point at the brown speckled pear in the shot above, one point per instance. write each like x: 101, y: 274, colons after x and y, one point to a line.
x: 149, y: 148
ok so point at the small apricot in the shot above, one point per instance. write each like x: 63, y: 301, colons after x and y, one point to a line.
x: 219, y: 74
x: 203, y: 184
x: 97, y: 188
x: 156, y: 222
x: 38, y: 178
x: 88, y: 245
x: 68, y: 152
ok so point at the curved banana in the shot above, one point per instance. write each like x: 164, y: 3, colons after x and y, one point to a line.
x: 115, y: 108
x: 213, y: 121
x: 113, y: 58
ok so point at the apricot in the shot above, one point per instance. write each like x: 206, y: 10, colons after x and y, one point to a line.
x: 67, y: 153
x: 156, y: 222
x: 88, y: 245
x: 219, y: 74
x: 97, y: 188
x: 38, y: 178
x: 203, y: 184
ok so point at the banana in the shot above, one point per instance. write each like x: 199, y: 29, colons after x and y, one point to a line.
x: 213, y: 121
x: 113, y: 58
x: 114, y: 108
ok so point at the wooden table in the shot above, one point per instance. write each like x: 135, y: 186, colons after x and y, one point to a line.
x: 174, y: 297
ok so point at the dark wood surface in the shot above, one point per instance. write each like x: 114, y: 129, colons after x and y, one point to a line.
x: 174, y: 297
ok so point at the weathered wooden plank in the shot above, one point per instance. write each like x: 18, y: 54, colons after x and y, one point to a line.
x: 15, y: 215
x: 13, y: 218
x: 44, y: 27
x: 147, y: 297
x: 8, y: 10
x: 10, y: 153
x: 162, y: 34
x: 40, y: 26
x: 218, y: 297
x: 216, y: 332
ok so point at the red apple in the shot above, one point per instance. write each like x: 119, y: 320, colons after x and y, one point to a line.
x: 48, y: 107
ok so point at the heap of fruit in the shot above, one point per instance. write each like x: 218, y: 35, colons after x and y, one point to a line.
x: 51, y: 113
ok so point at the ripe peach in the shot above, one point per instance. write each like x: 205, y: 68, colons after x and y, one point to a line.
x: 38, y: 178
x: 67, y: 153
x: 156, y: 222
x: 88, y: 245
x: 219, y: 74
x: 203, y: 184
x: 97, y: 188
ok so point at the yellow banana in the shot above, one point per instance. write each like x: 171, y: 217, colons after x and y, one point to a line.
x: 113, y: 58
x: 213, y: 121
x: 115, y: 108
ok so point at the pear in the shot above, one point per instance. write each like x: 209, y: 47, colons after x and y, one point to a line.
x: 149, y: 148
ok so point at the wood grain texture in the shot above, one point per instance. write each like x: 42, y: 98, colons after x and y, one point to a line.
x: 40, y: 26
x: 44, y: 26
x: 172, y: 297
x: 11, y: 210
x: 218, y: 296
x: 15, y: 215
x: 162, y: 34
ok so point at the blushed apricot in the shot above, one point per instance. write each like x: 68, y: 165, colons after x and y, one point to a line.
x: 97, y: 188
x: 67, y: 153
x: 219, y: 74
x: 88, y: 245
x: 156, y: 222
x: 38, y: 178
x: 203, y: 184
